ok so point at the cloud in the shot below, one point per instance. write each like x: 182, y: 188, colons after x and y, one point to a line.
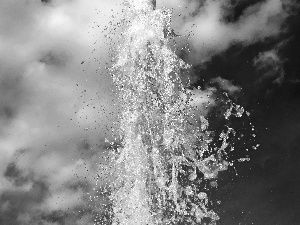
x: 270, y: 65
x: 294, y: 81
x: 226, y: 85
x: 50, y: 103
x: 211, y: 33
x: 16, y: 202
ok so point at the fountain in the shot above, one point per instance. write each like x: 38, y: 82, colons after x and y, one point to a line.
x: 162, y: 152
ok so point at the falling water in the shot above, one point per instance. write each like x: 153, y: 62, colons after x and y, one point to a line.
x: 160, y: 146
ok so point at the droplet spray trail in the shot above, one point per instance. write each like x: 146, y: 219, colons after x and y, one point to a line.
x: 159, y: 146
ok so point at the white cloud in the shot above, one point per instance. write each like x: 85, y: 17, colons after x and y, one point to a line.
x: 226, y: 85
x: 270, y: 65
x: 211, y: 34
x: 45, y: 90
x: 63, y: 200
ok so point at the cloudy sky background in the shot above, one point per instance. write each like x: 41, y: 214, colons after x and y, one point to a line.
x: 57, y: 103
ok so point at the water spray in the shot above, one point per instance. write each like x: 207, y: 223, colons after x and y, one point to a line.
x: 160, y: 147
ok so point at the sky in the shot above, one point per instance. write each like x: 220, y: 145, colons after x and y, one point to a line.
x: 58, y: 103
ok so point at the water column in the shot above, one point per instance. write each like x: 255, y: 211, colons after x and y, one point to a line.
x: 155, y: 130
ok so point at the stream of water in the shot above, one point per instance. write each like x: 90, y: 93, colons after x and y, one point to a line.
x: 162, y: 153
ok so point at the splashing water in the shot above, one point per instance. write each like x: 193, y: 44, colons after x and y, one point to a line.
x: 156, y: 169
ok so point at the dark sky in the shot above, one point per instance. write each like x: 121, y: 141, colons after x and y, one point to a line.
x: 57, y: 104
x: 266, y: 190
